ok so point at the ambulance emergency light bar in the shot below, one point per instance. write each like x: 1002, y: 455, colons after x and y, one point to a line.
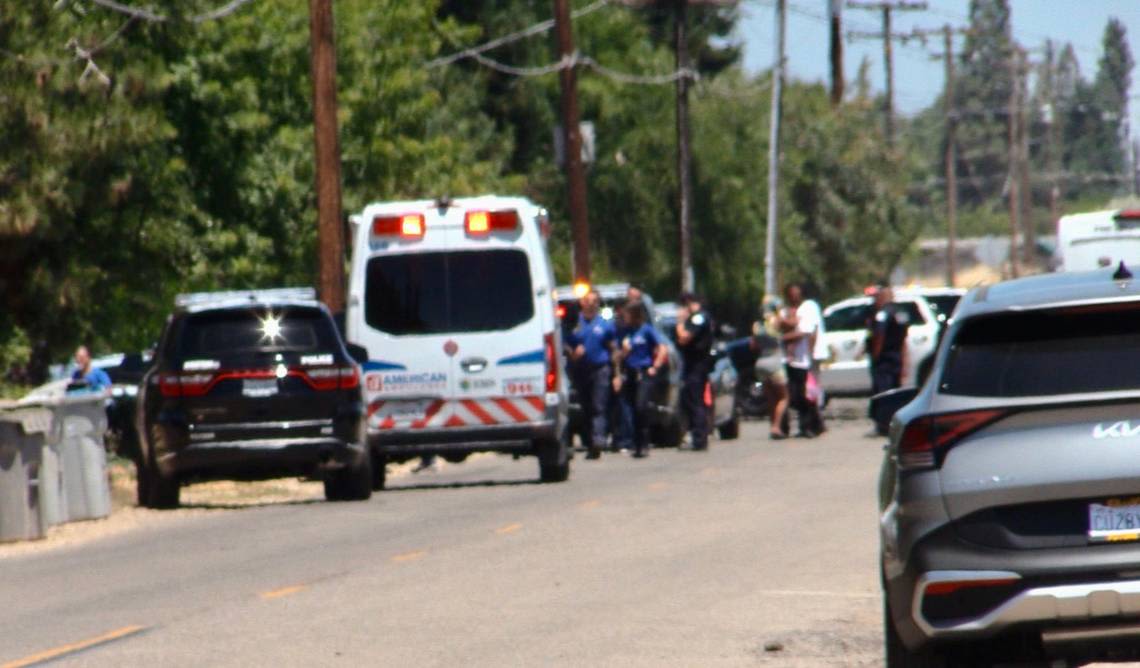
x: 269, y: 295
x: 476, y: 223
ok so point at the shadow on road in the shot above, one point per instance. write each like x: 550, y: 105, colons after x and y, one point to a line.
x: 461, y: 484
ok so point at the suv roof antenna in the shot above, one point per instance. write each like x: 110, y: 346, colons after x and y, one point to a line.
x: 1122, y: 273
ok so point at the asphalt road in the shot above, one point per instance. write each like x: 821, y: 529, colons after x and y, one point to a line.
x: 681, y: 559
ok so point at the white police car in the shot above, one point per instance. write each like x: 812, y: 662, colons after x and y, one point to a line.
x: 453, y: 300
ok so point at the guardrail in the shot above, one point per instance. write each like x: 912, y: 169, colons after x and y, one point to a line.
x: 53, y: 464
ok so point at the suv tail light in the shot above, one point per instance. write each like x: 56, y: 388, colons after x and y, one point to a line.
x: 330, y: 378
x: 185, y: 384
x: 478, y: 223
x: 551, y: 363
x: 925, y: 441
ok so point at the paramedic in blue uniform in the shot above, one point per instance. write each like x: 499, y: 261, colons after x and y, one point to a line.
x: 643, y: 358
x: 695, y: 341
x: 595, y: 348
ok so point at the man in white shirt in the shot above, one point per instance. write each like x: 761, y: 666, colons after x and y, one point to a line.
x: 802, y: 324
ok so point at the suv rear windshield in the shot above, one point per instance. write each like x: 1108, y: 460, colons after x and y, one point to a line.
x: 228, y: 331
x: 445, y: 292
x: 1075, y: 350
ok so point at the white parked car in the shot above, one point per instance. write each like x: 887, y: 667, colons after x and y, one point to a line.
x: 846, y: 369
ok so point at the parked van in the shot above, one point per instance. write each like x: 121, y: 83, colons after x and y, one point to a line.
x: 1088, y: 241
x: 454, y: 302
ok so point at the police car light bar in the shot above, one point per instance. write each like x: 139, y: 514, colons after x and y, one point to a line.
x: 269, y: 295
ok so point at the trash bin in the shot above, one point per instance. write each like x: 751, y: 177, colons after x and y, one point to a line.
x: 22, y: 435
x: 79, y: 424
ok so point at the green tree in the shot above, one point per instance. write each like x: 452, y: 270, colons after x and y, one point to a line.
x: 983, y: 92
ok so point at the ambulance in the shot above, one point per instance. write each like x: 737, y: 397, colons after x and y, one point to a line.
x: 453, y: 299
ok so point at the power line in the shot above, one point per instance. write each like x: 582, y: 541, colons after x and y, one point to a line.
x: 143, y: 14
x: 578, y: 59
x: 536, y: 29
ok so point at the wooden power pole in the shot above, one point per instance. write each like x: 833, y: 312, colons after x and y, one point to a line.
x: 330, y: 231
x: 836, y: 52
x: 1013, y: 148
x: 888, y: 57
x: 684, y: 180
x: 572, y: 135
x: 951, y: 159
x: 774, y: 156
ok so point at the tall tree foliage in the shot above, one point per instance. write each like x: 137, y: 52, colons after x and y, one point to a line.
x: 983, y: 92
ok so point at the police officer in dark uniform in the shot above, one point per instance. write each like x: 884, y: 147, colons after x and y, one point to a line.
x: 695, y: 341
x: 594, y: 351
x: 887, y: 328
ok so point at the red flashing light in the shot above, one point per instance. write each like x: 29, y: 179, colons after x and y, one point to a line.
x: 925, y: 441
x: 551, y: 363
x: 560, y: 311
x: 479, y: 223
x: 1128, y: 214
x: 409, y: 225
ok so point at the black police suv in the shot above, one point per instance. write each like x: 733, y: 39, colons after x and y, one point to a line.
x: 250, y: 386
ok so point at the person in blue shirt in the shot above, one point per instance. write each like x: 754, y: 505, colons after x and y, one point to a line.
x: 643, y: 359
x: 96, y: 379
x: 594, y: 354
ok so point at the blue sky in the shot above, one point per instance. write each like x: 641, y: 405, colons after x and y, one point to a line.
x: 918, y: 79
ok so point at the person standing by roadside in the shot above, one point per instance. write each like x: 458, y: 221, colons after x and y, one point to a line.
x: 96, y: 379
x: 695, y: 341
x: 643, y: 356
x: 887, y: 330
x: 801, y: 325
x: 594, y: 352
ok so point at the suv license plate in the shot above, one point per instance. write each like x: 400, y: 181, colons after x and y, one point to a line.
x: 1115, y: 520
x: 258, y: 387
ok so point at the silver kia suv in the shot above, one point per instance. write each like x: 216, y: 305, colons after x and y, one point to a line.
x: 1010, y: 490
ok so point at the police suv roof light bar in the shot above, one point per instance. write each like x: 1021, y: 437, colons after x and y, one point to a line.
x: 268, y: 295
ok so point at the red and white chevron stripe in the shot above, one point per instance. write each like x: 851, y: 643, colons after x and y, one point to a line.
x: 395, y: 414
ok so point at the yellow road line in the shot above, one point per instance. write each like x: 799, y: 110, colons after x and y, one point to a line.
x: 587, y: 505
x: 510, y: 528
x: 284, y: 591
x: 409, y: 556
x: 74, y: 647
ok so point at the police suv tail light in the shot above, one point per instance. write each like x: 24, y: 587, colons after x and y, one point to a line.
x: 410, y: 226
x: 925, y: 441
x: 330, y: 378
x: 551, y: 363
x: 185, y: 384
x: 478, y: 223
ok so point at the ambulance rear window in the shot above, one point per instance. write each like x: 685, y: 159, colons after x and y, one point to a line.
x: 447, y: 292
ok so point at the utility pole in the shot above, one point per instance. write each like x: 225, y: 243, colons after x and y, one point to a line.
x: 1013, y: 146
x: 836, y: 53
x: 888, y: 58
x: 330, y: 231
x: 575, y: 173
x: 684, y: 183
x: 1029, y: 251
x: 951, y: 158
x: 774, y: 156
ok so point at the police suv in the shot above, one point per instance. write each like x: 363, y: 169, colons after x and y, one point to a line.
x: 454, y: 302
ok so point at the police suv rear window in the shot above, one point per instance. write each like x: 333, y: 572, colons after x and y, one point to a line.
x: 1064, y: 351
x: 446, y: 292
x: 217, y: 333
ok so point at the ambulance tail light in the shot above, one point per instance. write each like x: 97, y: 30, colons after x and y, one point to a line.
x: 409, y: 226
x: 551, y: 363
x: 480, y: 223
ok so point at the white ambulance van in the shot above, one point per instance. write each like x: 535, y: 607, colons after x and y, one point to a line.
x: 454, y: 302
x: 1098, y: 239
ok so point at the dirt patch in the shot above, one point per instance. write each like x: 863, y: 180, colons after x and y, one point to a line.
x: 197, y: 499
